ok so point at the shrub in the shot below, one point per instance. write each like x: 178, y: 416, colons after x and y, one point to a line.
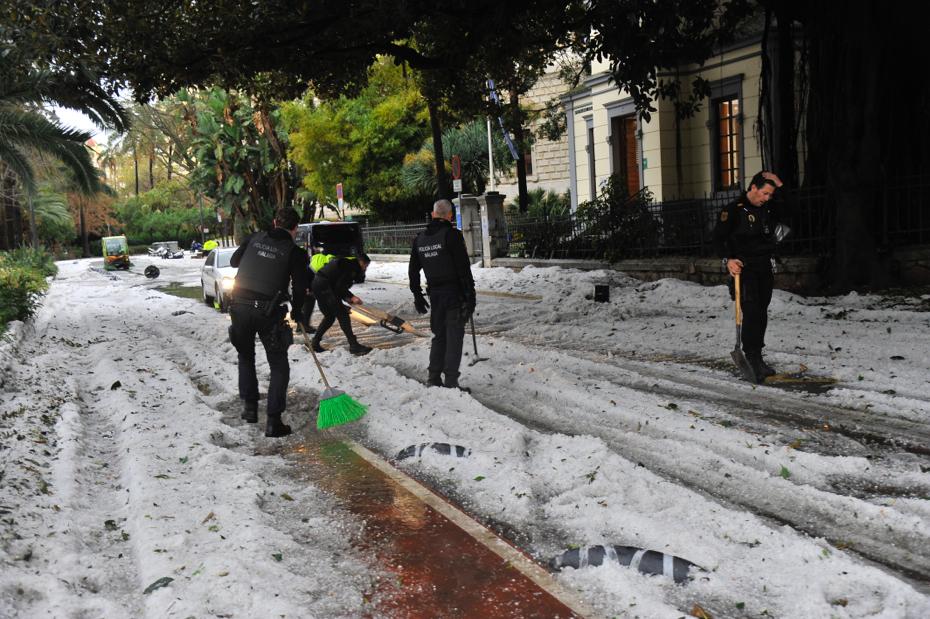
x: 616, y: 223
x: 543, y: 203
x: 22, y: 281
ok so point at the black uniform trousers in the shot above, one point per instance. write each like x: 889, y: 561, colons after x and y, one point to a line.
x: 276, y: 336
x: 307, y: 309
x: 448, y: 327
x: 309, y: 300
x: 333, y: 309
x: 756, y: 292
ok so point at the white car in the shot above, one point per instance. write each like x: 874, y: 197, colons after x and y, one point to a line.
x: 218, y: 278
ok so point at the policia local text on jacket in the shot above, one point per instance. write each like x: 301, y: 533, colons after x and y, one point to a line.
x: 267, y: 262
x: 440, y: 251
x: 330, y: 287
x: 745, y: 238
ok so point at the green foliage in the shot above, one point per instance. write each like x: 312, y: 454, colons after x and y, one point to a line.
x: 616, y: 222
x: 22, y: 281
x: 359, y: 142
x: 167, y: 212
x: 240, y: 152
x: 470, y: 142
x: 54, y: 223
x: 544, y: 203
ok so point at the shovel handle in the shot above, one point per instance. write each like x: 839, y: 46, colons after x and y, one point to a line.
x: 739, y: 310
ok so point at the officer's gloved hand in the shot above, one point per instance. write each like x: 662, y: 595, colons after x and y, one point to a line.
x: 419, y: 302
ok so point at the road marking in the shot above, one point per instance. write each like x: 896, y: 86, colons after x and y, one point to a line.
x: 479, y: 532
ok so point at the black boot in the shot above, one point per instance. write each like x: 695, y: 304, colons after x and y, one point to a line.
x: 359, y: 349
x: 250, y: 411
x: 315, y: 345
x: 452, y: 382
x: 755, y: 360
x: 767, y: 370
x: 276, y: 428
x: 434, y: 380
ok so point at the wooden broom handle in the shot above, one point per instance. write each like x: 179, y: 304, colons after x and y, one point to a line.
x: 309, y: 347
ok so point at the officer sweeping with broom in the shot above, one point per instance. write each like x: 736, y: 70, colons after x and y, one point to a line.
x: 268, y: 262
x: 440, y: 252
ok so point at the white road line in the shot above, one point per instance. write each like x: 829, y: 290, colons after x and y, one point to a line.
x: 479, y: 532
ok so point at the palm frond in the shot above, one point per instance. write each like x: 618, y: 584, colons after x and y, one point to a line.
x: 51, y: 206
x: 18, y: 164
x: 21, y: 129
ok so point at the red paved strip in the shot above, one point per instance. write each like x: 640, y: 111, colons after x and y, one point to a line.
x: 440, y: 570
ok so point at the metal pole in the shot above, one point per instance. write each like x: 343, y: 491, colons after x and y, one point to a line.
x: 32, y: 221
x: 202, y: 238
x: 491, y: 157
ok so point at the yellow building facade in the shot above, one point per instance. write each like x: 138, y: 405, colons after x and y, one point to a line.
x: 714, y: 152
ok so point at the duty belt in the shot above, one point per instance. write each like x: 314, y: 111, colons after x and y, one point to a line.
x: 261, y: 305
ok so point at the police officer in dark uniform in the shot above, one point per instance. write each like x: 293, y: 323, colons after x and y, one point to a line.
x: 331, y: 287
x: 440, y: 251
x: 745, y: 238
x: 267, y: 262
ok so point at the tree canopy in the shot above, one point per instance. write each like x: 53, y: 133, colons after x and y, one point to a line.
x: 361, y: 141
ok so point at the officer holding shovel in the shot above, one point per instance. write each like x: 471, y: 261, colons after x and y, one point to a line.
x: 745, y: 236
x: 440, y: 252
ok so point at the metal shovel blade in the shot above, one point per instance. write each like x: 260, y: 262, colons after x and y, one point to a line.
x: 745, y: 368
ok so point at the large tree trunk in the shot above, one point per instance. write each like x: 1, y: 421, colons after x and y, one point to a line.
x: 151, y: 168
x: 847, y: 60
x: 442, y: 179
x: 518, y: 135
x: 85, y: 244
x: 784, y: 138
x: 135, y: 166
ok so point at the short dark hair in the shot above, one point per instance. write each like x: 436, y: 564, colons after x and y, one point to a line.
x: 760, y: 181
x: 364, y: 258
x: 286, y: 218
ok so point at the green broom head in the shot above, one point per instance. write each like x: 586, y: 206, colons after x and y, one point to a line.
x: 336, y: 408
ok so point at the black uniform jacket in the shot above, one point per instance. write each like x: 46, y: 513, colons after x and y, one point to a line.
x: 340, y: 273
x: 296, y: 268
x: 440, y: 251
x: 747, y: 232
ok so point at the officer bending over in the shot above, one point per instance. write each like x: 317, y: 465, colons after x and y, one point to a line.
x: 331, y: 287
x: 267, y: 262
x: 745, y: 238
x: 440, y: 251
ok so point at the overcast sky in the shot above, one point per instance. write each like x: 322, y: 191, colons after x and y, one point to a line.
x: 76, y: 120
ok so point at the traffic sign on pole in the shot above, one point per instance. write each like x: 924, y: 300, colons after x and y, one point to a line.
x: 339, y: 194
x: 456, y: 168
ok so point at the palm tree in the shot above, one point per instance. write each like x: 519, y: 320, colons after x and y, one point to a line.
x: 25, y: 130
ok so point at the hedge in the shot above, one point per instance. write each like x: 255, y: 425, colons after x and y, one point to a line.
x: 23, y: 275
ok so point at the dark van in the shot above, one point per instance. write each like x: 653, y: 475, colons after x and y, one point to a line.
x: 340, y: 238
